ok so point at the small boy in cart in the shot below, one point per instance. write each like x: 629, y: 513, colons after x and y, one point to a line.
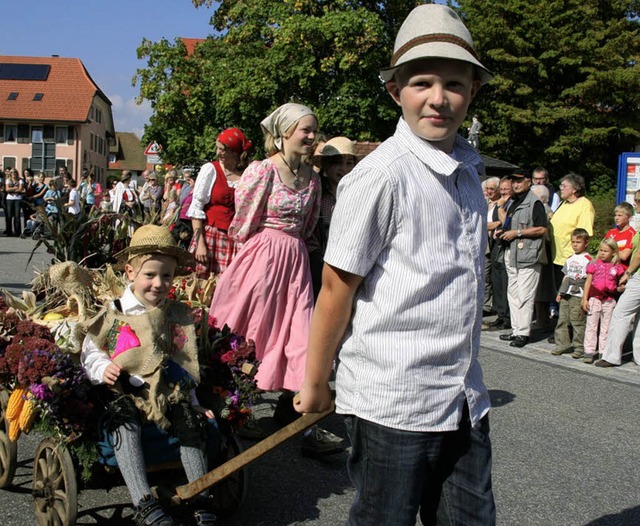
x: 144, y: 348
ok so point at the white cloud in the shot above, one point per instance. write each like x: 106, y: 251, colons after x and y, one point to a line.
x: 129, y: 116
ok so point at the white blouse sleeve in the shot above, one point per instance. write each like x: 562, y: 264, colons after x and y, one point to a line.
x: 94, y: 361
x: 202, y: 191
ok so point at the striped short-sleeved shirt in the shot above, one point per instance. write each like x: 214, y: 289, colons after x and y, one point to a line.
x: 412, y: 221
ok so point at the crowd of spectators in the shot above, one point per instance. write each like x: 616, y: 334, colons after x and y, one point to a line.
x: 539, y: 267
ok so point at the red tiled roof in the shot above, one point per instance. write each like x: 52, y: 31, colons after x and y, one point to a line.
x: 67, y: 92
x: 191, y: 43
x: 129, y: 152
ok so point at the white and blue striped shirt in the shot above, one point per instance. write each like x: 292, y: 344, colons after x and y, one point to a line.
x: 412, y: 221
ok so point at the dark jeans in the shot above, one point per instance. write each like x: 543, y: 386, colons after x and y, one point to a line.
x: 500, y: 282
x: 444, y: 475
x: 13, y: 209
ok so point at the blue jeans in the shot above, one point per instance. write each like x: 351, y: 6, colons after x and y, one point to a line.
x: 444, y: 475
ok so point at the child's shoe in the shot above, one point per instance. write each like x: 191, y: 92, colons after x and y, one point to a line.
x: 149, y: 513
x: 577, y: 354
x: 558, y: 352
x: 203, y: 514
x: 589, y: 358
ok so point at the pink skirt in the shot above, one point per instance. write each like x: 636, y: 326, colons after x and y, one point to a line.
x: 266, y: 295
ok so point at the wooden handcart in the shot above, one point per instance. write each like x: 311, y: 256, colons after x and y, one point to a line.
x: 55, y: 484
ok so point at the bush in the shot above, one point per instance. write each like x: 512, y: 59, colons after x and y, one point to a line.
x: 603, y: 197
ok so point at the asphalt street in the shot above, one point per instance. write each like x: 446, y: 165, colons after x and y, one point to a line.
x: 565, y: 440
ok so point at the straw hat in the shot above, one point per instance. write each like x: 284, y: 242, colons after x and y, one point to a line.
x: 153, y: 239
x: 434, y: 31
x: 339, y: 146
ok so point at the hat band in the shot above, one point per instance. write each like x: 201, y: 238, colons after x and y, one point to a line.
x: 435, y: 37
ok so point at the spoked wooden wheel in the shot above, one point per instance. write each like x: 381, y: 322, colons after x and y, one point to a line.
x: 55, y: 489
x: 228, y: 494
x: 8, y: 449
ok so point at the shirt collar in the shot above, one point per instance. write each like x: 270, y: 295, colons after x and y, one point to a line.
x: 130, y: 304
x: 439, y: 161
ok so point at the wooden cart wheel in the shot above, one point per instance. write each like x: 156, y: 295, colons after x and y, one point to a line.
x: 8, y: 449
x: 228, y: 494
x: 55, y: 488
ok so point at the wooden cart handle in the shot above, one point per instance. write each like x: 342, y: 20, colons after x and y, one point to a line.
x: 249, y: 455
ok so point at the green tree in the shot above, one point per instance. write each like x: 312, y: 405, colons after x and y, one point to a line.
x: 566, y: 94
x: 325, y: 54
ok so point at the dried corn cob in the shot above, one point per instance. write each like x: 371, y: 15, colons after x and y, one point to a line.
x: 28, y: 414
x: 16, y: 401
x: 14, y: 430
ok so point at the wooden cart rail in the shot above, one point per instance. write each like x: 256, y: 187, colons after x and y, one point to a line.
x: 249, y: 455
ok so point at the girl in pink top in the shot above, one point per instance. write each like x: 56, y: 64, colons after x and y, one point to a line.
x: 600, y: 294
x: 266, y: 292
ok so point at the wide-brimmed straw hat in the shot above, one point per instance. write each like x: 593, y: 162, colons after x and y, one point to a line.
x: 150, y: 240
x: 434, y: 31
x: 339, y: 146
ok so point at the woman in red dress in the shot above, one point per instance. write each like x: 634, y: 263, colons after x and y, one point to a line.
x: 212, y: 207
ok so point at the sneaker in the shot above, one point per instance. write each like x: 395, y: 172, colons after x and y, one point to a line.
x: 558, y: 352
x: 577, y: 354
x: 604, y: 363
x: 285, y: 413
x: 320, y: 442
x: 149, y: 513
x: 589, y: 358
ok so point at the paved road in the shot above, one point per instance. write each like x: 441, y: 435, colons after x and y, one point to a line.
x: 565, y: 438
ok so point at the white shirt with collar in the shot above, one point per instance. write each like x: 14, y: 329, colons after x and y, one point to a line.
x: 412, y: 221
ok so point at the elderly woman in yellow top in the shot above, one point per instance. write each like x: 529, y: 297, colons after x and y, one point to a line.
x: 575, y: 211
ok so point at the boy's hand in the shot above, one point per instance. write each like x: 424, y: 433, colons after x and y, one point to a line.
x: 111, y: 373
x: 313, y: 399
x: 204, y: 411
x: 558, y: 298
x: 585, y: 305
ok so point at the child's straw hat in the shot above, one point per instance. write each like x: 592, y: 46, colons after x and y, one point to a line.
x: 434, y: 31
x: 153, y: 239
x: 339, y: 146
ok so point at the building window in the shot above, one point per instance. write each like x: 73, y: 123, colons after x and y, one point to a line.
x: 38, y: 96
x: 36, y: 133
x: 13, y: 95
x: 43, y: 156
x: 10, y: 133
x: 8, y: 162
x: 98, y: 116
x: 92, y: 144
x: 112, y: 158
x: 62, y: 134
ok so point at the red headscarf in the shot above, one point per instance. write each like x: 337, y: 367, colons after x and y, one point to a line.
x: 234, y: 139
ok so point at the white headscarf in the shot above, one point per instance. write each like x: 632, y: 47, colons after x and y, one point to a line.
x: 282, y: 119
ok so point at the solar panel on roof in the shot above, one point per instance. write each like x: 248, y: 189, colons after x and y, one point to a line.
x: 24, y: 71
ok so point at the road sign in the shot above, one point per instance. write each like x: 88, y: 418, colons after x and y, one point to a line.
x: 154, y: 159
x: 153, y: 148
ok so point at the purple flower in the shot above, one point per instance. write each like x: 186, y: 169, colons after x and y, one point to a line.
x: 41, y: 392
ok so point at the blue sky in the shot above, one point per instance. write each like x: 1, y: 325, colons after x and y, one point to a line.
x: 105, y: 36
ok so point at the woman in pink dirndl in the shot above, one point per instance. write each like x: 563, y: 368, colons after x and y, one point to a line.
x: 266, y: 291
x: 212, y: 205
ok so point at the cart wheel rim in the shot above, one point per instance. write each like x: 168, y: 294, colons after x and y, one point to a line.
x: 55, y: 487
x: 8, y: 459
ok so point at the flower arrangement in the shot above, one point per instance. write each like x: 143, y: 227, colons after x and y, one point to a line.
x: 30, y: 361
x: 228, y: 365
